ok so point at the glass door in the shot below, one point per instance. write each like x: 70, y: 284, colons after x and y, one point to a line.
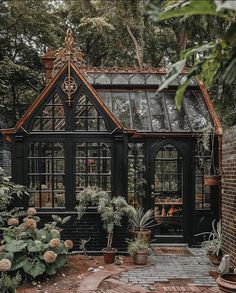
x: 167, y: 191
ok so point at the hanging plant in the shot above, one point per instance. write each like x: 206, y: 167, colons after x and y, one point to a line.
x: 206, y: 145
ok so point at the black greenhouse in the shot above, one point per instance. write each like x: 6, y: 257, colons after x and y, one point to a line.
x: 109, y: 127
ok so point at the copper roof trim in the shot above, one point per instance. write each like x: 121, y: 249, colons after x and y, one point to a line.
x: 126, y: 70
x: 211, y: 108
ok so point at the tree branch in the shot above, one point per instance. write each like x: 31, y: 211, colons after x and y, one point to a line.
x: 138, y: 49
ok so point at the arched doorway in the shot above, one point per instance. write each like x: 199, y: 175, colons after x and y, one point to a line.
x: 170, y: 196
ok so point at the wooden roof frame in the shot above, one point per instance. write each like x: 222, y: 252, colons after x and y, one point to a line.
x: 81, y: 74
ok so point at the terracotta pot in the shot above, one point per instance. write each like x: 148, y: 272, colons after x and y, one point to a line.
x: 214, y: 259
x: 145, y: 234
x: 109, y: 255
x: 227, y: 283
x: 140, y: 257
x: 210, y: 180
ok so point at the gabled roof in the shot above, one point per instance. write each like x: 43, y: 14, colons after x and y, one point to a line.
x: 34, y: 106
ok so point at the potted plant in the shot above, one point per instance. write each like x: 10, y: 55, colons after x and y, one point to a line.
x: 111, y: 211
x: 140, y: 222
x: 138, y: 248
x: 205, y: 142
x: 213, y: 244
x: 227, y: 283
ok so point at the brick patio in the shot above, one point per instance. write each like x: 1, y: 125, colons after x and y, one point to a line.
x: 174, y: 273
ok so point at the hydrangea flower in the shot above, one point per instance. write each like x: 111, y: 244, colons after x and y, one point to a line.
x: 31, y: 211
x: 69, y: 244
x: 54, y: 242
x: 5, y: 265
x: 49, y: 256
x: 12, y: 222
x: 30, y: 224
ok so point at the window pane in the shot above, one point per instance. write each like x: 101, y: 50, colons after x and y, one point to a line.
x: 93, y: 165
x: 87, y: 117
x: 51, y: 117
x: 136, y: 174
x: 197, y: 111
x: 140, y: 113
x: 178, y: 120
x: 46, y: 169
x: 157, y: 112
x: 121, y: 108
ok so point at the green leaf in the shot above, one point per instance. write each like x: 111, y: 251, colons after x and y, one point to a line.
x: 198, y: 49
x: 18, y: 263
x: 60, y: 249
x: 35, y: 246
x: 179, y: 94
x: 51, y: 269
x: 56, y: 218
x: 60, y: 260
x: 185, y: 8
x: 230, y: 72
x: 35, y: 268
x: 209, y: 69
x: 15, y: 245
x: 66, y: 219
x: 8, y: 255
x: 175, y: 70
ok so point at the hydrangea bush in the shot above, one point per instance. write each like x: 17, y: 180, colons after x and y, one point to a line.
x: 32, y: 251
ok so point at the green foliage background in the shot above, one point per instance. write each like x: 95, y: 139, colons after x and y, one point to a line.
x: 109, y: 32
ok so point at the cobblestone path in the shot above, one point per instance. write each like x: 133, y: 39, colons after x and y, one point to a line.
x: 170, y: 273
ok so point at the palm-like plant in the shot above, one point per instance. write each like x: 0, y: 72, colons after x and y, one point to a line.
x: 214, y: 242
x: 140, y: 220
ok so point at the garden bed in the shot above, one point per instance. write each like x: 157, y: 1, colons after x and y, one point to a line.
x: 69, y: 278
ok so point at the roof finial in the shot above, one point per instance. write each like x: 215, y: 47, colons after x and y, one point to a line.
x: 68, y: 53
x: 69, y: 41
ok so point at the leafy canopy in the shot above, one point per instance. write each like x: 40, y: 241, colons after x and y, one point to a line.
x: 207, y: 60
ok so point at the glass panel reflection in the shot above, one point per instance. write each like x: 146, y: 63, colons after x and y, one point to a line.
x: 178, y: 119
x: 197, y: 111
x: 121, y: 108
x: 140, y: 112
x: 159, y: 121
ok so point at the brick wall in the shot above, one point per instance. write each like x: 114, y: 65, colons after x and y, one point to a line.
x: 229, y: 193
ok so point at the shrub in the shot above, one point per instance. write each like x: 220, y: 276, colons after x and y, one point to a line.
x: 32, y: 251
x: 9, y: 284
x: 111, y: 209
x: 8, y: 191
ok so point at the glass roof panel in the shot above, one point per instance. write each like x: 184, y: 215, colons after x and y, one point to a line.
x: 140, y: 111
x: 103, y: 79
x: 159, y: 119
x: 178, y: 120
x: 153, y: 79
x: 120, y: 79
x: 121, y: 108
x: 197, y: 110
x: 137, y: 79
